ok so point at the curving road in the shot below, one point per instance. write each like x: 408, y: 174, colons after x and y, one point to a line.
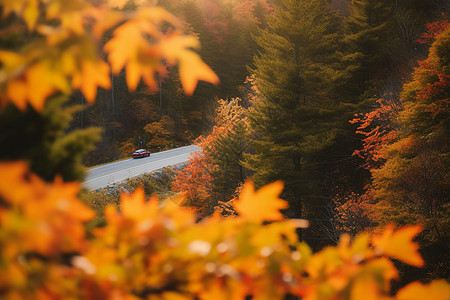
x: 102, y: 176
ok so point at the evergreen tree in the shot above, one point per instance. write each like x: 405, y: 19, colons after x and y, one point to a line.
x: 293, y: 123
x: 367, y: 31
x: 43, y: 140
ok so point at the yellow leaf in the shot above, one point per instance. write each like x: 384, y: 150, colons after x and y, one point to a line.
x: 399, y: 244
x: 133, y: 74
x: 33, y: 86
x: 365, y: 288
x: 48, y: 217
x: 136, y: 207
x: 16, y: 92
x: 192, y: 69
x: 174, y: 296
x: 31, y: 13
x: 177, y: 49
x: 124, y: 45
x: 13, y: 187
x: 93, y: 74
x: 261, y: 205
x: 436, y: 290
x: 105, y: 19
x: 174, y: 46
x: 39, y: 85
x: 27, y: 83
x: 71, y: 14
x: 385, y: 269
x: 355, y: 251
x: 10, y: 59
x: 275, y: 234
x: 117, y: 3
x: 214, y: 291
x: 323, y: 263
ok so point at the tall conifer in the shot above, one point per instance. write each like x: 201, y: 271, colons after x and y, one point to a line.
x: 293, y: 122
x: 367, y: 31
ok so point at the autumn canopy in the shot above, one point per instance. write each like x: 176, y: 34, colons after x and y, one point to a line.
x: 148, y: 249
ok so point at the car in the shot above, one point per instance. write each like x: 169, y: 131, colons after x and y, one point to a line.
x: 140, y: 153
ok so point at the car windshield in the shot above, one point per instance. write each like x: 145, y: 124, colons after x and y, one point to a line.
x: 139, y: 151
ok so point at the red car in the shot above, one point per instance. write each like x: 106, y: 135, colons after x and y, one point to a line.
x: 140, y: 153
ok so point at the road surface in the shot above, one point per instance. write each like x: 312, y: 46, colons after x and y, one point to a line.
x: 104, y: 175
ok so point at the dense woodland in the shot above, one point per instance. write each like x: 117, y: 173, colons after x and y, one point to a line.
x: 350, y: 112
x: 346, y: 102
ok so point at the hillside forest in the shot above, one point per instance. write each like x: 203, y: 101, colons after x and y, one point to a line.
x: 324, y: 166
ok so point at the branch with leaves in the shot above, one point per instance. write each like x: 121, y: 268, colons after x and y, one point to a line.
x: 64, y: 50
x: 152, y: 251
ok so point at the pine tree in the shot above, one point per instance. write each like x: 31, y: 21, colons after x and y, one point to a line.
x: 293, y: 122
x: 367, y: 32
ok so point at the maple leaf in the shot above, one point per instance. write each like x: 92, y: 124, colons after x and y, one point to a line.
x: 140, y: 58
x: 437, y: 290
x: 127, y: 34
x: 13, y: 187
x: 192, y: 69
x: 104, y: 20
x: 31, y: 13
x: 261, y: 205
x: 29, y: 83
x: 51, y: 216
x: 40, y: 85
x: 365, y: 288
x: 176, y: 48
x: 399, y: 244
x: 28, y: 9
x: 16, y: 92
x: 92, y: 75
x: 136, y: 207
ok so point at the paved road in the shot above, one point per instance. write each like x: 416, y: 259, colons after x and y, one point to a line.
x: 115, y: 172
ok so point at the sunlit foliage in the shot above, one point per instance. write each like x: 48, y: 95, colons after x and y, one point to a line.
x: 147, y: 250
x: 63, y: 56
x: 152, y: 252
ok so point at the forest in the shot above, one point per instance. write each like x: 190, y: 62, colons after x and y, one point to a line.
x: 325, y: 149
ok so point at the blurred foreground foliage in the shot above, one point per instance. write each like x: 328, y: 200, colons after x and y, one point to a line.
x: 152, y: 251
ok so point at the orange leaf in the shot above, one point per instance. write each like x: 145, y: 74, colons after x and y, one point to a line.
x: 13, y: 187
x: 40, y: 85
x: 215, y: 290
x: 436, y: 290
x: 192, y: 69
x: 31, y: 13
x: 117, y: 3
x: 174, y: 46
x: 177, y: 48
x: 136, y: 207
x: 51, y: 216
x: 365, y: 288
x: 261, y: 205
x: 92, y: 75
x: 399, y: 244
x: 124, y: 46
x: 16, y: 91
